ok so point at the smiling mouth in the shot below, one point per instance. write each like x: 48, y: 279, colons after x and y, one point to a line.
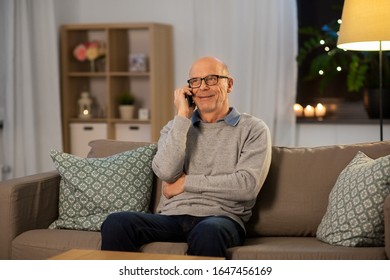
x: 204, y: 97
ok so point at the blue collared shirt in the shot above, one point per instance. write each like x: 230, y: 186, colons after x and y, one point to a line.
x: 231, y: 119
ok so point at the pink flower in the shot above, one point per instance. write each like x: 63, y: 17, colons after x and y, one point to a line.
x: 80, y: 52
x: 88, y: 50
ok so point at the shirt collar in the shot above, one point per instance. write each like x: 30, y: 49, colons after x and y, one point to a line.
x: 232, y: 118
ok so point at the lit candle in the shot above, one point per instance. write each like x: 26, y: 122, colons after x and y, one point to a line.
x: 320, y: 110
x: 298, y: 109
x: 308, y: 111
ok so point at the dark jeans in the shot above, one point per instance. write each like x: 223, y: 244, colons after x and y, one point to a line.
x: 205, y: 236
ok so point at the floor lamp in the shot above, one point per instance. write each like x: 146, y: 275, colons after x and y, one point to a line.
x: 366, y: 27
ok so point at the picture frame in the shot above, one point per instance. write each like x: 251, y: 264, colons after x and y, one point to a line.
x: 138, y: 62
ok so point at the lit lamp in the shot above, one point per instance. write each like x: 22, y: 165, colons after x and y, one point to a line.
x: 85, y: 103
x: 366, y: 27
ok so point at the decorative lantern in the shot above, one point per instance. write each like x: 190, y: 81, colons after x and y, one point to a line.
x: 85, y: 103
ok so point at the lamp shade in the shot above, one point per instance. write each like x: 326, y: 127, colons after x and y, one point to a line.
x: 365, y: 23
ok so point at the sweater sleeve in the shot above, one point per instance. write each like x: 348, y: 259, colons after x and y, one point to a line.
x: 245, y: 182
x: 169, y: 160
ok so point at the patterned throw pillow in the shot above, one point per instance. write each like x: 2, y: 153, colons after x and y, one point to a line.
x: 354, y: 216
x: 91, y: 188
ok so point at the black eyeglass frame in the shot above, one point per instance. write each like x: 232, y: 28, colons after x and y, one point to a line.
x: 205, y: 80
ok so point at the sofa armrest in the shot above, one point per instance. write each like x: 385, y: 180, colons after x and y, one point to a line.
x: 26, y: 203
x: 387, y: 226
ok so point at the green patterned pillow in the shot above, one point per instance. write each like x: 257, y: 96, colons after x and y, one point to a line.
x: 92, y: 188
x: 354, y: 216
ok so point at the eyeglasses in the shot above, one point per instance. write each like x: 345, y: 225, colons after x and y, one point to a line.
x: 209, y: 80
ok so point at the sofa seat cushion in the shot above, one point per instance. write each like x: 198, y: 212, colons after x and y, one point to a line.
x: 42, y: 244
x: 301, y: 248
x: 45, y: 243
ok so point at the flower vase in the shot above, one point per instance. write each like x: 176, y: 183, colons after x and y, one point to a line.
x: 92, y: 66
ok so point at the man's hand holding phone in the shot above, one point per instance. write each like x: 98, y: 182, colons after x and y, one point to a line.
x: 190, y: 101
x: 184, y: 102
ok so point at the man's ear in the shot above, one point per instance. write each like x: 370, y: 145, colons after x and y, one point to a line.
x: 230, y: 84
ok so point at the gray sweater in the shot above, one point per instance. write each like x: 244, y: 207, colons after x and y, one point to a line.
x: 226, y: 166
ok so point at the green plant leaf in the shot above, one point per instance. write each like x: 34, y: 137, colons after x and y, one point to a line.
x: 361, y: 68
x: 356, y: 75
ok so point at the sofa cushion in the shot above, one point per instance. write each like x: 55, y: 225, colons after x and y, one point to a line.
x: 355, y: 216
x: 91, y: 188
x: 107, y: 147
x: 293, y: 199
x: 40, y: 244
x: 300, y: 248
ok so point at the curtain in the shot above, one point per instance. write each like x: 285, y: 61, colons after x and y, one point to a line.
x: 256, y: 38
x: 258, y: 41
x: 29, y: 86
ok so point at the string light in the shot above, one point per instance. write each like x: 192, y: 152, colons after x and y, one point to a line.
x: 321, y: 72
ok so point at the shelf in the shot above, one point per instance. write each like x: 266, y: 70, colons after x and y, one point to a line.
x: 136, y: 121
x: 92, y: 120
x: 332, y: 120
x: 352, y: 112
x: 129, y: 74
x: 114, y: 120
x: 87, y: 74
x: 113, y: 74
x: 152, y: 89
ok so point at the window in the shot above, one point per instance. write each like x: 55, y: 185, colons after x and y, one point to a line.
x: 341, y: 104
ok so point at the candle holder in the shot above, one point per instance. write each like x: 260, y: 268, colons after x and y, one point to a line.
x: 320, y: 111
x: 298, y: 110
x: 309, y: 111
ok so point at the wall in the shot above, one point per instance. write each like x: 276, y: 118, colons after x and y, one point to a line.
x: 179, y: 13
x: 250, y: 36
x: 175, y: 12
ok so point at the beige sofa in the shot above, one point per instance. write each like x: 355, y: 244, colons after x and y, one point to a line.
x: 289, y: 209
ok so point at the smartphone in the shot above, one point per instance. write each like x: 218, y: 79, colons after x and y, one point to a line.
x: 190, y: 101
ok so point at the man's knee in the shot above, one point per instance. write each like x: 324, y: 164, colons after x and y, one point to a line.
x: 113, y: 222
x: 117, y: 233
x: 217, y: 224
x: 219, y: 230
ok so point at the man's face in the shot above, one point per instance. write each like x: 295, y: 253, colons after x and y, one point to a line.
x: 211, y: 99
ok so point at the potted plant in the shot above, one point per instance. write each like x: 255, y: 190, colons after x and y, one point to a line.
x: 126, y: 102
x: 358, y: 69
